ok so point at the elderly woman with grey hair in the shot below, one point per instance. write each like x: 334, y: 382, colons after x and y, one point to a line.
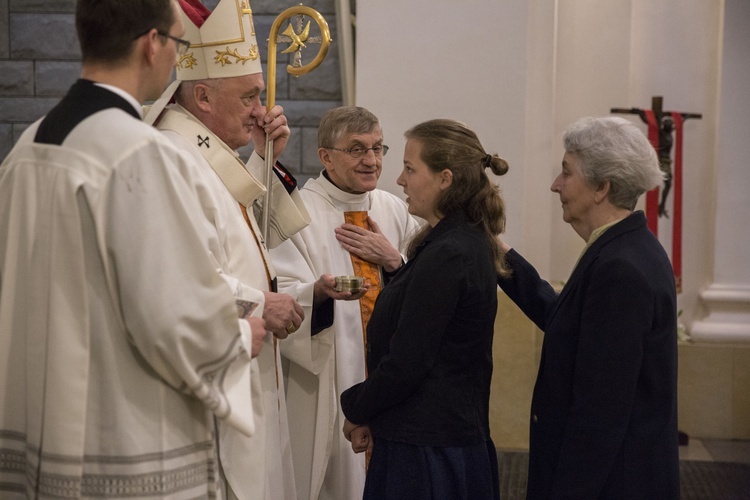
x: 604, y: 410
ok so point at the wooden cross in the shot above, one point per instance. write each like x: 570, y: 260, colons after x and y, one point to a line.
x: 657, y: 107
x: 661, y: 125
x: 663, y: 148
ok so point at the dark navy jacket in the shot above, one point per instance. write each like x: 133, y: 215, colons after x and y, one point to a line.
x: 604, y: 410
x: 429, y: 344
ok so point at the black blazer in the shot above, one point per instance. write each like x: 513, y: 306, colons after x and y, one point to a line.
x: 604, y: 410
x: 429, y: 344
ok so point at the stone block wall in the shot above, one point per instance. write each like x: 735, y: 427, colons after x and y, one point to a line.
x: 40, y: 59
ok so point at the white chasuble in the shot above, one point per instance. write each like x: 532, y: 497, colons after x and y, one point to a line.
x: 257, y: 467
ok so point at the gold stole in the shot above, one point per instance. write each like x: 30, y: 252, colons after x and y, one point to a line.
x: 371, y: 273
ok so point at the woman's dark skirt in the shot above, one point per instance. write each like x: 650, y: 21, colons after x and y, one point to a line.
x: 399, y: 470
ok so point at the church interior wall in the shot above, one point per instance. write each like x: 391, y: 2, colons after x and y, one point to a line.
x: 488, y: 65
x: 519, y: 73
x: 413, y: 65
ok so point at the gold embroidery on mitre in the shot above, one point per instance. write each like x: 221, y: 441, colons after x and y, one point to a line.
x: 189, y: 61
x: 246, y: 10
x: 225, y: 38
x: 222, y: 56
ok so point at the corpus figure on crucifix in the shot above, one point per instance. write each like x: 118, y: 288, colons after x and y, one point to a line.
x: 664, y: 152
x: 661, y: 125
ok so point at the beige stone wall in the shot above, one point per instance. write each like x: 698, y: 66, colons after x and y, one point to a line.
x: 713, y: 383
x: 714, y: 390
x: 516, y: 352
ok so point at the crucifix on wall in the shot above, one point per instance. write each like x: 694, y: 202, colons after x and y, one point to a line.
x: 661, y: 127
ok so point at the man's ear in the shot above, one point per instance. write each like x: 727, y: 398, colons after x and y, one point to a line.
x: 446, y: 179
x: 146, y: 45
x: 202, y: 96
x: 325, y: 157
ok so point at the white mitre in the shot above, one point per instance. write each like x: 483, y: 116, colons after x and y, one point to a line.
x: 223, y: 46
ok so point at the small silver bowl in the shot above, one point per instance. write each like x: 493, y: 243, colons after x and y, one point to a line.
x: 349, y: 283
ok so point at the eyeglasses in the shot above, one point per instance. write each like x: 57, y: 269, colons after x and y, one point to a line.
x: 358, y: 151
x: 182, y: 45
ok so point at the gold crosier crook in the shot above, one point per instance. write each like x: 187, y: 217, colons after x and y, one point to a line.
x: 297, y: 44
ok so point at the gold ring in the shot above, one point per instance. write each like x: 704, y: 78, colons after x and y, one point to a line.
x: 291, y: 328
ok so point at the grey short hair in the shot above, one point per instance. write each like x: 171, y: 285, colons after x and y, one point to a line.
x: 337, y: 122
x: 613, y: 149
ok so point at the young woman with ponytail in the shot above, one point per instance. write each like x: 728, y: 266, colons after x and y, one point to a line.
x: 423, y: 410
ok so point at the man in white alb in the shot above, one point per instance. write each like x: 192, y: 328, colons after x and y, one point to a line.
x: 119, y: 341
x: 355, y: 229
x: 217, y: 109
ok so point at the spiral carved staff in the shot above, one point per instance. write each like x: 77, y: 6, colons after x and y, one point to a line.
x: 297, y: 38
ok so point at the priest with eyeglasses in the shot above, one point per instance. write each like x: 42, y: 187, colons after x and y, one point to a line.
x: 356, y: 229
